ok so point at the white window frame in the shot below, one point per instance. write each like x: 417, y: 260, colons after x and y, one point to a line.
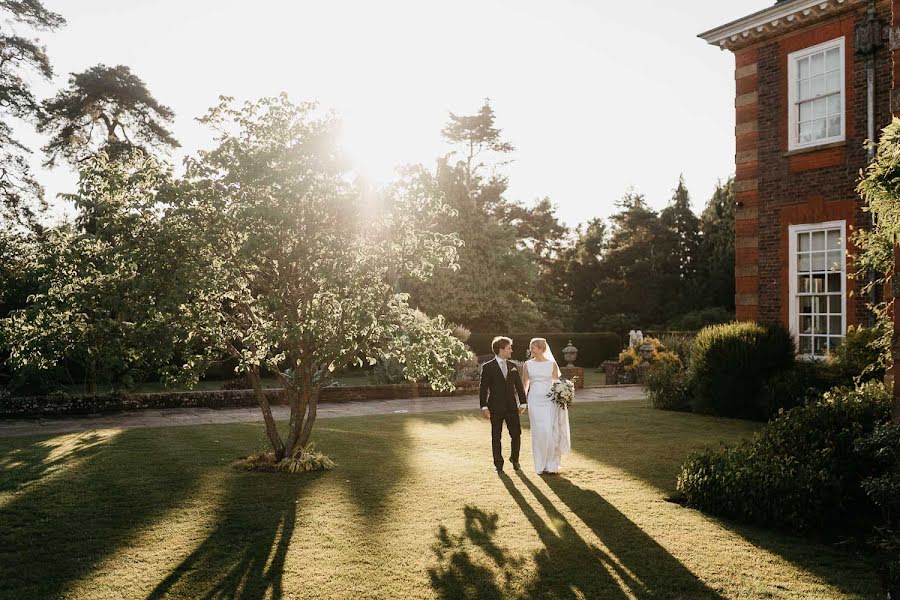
x: 793, y: 232
x: 794, y: 107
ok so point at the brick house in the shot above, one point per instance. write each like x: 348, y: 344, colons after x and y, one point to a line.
x: 814, y: 81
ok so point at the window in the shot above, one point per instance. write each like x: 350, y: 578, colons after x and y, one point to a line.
x: 817, y: 286
x: 816, y: 95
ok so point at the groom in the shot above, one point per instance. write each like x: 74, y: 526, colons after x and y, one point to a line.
x: 500, y: 384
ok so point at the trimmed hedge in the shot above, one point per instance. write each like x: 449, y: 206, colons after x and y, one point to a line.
x: 801, y: 472
x: 730, y: 365
x: 593, y: 348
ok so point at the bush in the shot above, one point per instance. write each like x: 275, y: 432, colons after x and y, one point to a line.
x: 388, y: 372
x: 593, y: 348
x: 807, y: 379
x: 730, y: 364
x: 859, y: 357
x: 679, y: 343
x: 801, y: 472
x: 632, y: 359
x: 669, y: 387
x: 698, y: 319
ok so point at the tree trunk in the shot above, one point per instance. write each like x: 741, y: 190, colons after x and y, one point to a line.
x: 895, y: 345
x: 310, y: 418
x: 302, y: 398
x: 271, y: 428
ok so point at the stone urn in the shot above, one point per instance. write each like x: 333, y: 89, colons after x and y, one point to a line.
x: 570, y: 353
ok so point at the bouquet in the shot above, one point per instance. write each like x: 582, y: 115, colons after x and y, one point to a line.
x: 562, y: 392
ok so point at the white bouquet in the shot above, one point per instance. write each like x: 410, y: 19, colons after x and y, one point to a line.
x: 562, y: 392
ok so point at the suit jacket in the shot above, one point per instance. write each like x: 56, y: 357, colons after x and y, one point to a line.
x: 499, y: 393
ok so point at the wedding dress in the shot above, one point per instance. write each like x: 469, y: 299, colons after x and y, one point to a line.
x: 550, y: 437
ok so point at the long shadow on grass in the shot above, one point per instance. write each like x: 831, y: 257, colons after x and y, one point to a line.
x: 21, y: 466
x: 244, y: 556
x: 383, y: 444
x: 458, y: 575
x: 56, y: 531
x: 654, y: 573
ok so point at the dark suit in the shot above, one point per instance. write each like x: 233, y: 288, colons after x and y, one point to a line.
x: 499, y: 393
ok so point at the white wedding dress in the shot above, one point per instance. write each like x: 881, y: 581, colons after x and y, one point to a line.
x: 550, y: 437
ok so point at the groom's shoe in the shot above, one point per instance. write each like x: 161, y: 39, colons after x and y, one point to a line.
x: 516, y: 466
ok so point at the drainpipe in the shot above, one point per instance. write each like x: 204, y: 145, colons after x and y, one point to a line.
x: 869, y: 39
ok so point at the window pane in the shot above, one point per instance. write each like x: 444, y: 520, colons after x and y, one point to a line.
x: 818, y: 284
x: 817, y: 64
x: 803, y: 91
x: 803, y: 68
x: 834, y: 304
x: 805, y: 344
x: 835, y: 342
x: 821, y: 304
x: 819, y: 129
x: 835, y: 325
x: 821, y: 324
x: 805, y: 324
x: 803, y: 264
x: 817, y: 86
x: 834, y: 282
x: 806, y: 132
x: 834, y: 240
x: 818, y: 240
x: 803, y: 284
x: 818, y: 261
x: 834, y: 126
x: 833, y: 59
x: 834, y: 261
x: 819, y: 108
x: 803, y: 242
x: 820, y: 346
x: 805, y: 304
x: 833, y: 82
x: 834, y: 104
x: 806, y: 111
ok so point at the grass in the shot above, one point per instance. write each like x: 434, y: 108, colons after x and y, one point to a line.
x: 413, y: 510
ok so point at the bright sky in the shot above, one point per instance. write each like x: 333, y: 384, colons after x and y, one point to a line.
x: 595, y: 96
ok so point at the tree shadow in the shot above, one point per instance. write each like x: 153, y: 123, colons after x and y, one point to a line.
x: 244, y: 556
x: 653, y: 572
x: 22, y: 466
x: 58, y: 530
x: 458, y: 575
x: 383, y: 443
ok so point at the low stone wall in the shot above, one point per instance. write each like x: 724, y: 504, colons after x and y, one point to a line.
x: 576, y: 372
x: 57, y: 405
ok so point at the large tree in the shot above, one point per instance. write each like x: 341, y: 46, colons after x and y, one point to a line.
x: 104, y: 108
x: 716, y: 253
x: 303, y: 273
x: 20, y: 58
x: 684, y: 227
x: 114, y: 300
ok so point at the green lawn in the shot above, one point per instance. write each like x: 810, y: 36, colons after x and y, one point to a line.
x: 413, y: 510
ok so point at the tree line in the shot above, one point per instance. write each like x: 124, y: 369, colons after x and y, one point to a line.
x: 115, y: 295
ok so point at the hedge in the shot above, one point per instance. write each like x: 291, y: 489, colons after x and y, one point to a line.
x: 593, y: 348
x: 65, y: 404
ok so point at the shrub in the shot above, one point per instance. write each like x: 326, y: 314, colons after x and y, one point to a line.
x: 633, y: 358
x: 388, y: 372
x: 679, y: 343
x: 806, y: 380
x: 800, y: 472
x: 698, y: 319
x: 730, y: 364
x: 669, y: 387
x: 593, y: 348
x: 859, y: 357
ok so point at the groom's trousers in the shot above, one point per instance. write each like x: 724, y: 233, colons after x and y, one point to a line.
x: 511, y: 418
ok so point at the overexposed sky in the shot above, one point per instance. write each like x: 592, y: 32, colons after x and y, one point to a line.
x: 595, y: 96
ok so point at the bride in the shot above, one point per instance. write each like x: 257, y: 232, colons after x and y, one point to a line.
x: 550, y: 437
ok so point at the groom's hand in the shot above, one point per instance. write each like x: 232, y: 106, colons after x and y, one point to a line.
x: 522, y: 409
x: 487, y: 413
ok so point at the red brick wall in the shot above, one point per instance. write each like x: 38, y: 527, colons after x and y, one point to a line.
x: 779, y: 189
